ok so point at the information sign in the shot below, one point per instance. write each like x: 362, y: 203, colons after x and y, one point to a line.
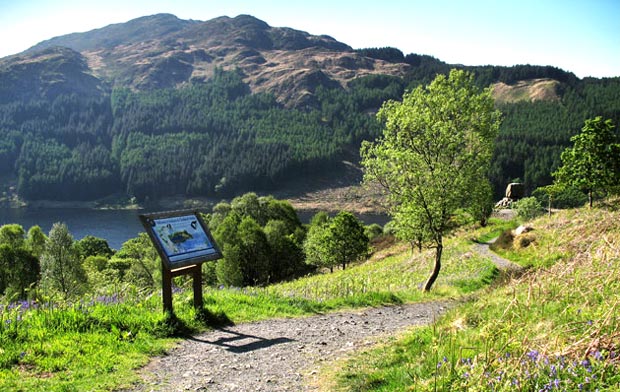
x: 183, y: 243
x: 181, y: 237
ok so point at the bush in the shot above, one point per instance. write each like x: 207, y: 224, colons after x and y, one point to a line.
x: 373, y: 231
x: 570, y: 197
x: 528, y: 208
x: 523, y: 240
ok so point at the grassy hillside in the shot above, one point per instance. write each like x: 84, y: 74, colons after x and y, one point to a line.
x: 555, y: 327
x: 119, y: 333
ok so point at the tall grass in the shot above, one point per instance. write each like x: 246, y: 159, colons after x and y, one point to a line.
x: 555, y: 328
x: 98, y: 342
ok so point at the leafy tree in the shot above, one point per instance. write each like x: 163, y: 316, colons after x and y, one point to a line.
x: 36, y: 240
x: 60, y: 264
x: 436, y: 148
x: 137, y: 262
x: 26, y: 272
x: 287, y: 257
x: 93, y: 246
x: 12, y: 235
x: 560, y: 196
x: 593, y: 162
x: 19, y: 267
x: 228, y: 269
x: 260, y: 238
x: 256, y: 254
x: 337, y: 241
x: 346, y: 240
x: 315, y: 245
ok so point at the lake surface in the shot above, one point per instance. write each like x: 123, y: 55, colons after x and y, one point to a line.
x: 115, y: 226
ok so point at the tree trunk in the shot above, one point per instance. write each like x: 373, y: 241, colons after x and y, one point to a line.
x: 590, y: 198
x: 435, y: 273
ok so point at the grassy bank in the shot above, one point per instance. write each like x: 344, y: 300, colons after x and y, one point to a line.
x: 97, y: 343
x: 554, y: 328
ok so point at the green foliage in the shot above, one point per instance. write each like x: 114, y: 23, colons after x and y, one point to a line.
x: 36, y: 240
x: 19, y: 264
x: 93, y: 246
x: 61, y: 270
x: 390, y: 54
x: 373, y: 231
x: 260, y: 238
x: 435, y: 152
x: 560, y: 196
x: 528, y: 208
x: 593, y: 163
x: 337, y: 241
x: 315, y: 244
x: 347, y: 241
x: 215, y: 138
x: 136, y: 262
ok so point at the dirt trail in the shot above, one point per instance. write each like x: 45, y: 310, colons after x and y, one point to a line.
x: 279, y: 354
x: 500, y: 262
x: 283, y: 354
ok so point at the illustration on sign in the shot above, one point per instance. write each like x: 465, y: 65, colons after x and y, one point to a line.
x: 182, y: 237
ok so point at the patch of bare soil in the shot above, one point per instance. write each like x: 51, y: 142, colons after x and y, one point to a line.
x: 280, y: 354
x: 527, y: 90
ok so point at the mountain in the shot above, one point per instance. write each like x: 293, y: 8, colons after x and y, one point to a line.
x: 46, y: 74
x: 160, y: 106
x: 162, y: 51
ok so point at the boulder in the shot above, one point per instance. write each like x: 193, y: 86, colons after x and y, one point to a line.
x: 504, y: 203
x: 522, y: 230
x: 515, y: 191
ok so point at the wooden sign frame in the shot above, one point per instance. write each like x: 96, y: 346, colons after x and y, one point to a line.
x: 183, y: 242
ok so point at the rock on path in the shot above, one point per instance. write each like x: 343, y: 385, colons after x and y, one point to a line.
x: 278, y: 354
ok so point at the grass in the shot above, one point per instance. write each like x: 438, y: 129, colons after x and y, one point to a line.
x: 557, y: 327
x: 97, y: 344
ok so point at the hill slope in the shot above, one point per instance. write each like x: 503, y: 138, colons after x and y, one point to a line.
x: 162, y: 51
x: 160, y: 106
x: 554, y: 327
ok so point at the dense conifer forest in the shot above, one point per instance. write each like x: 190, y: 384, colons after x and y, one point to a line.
x: 215, y: 138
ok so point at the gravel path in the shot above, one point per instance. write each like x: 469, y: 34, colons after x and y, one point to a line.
x: 500, y: 262
x: 283, y: 354
x: 279, y: 354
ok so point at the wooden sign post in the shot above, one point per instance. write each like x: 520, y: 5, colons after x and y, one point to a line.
x: 183, y: 242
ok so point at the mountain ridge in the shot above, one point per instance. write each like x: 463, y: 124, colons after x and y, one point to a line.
x: 231, y: 105
x: 163, y: 51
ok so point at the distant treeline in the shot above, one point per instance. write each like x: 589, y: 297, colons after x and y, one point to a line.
x: 216, y: 138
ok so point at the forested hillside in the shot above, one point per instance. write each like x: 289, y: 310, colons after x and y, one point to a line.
x: 75, y: 127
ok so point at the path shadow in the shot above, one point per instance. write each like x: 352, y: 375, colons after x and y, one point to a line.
x: 235, y: 342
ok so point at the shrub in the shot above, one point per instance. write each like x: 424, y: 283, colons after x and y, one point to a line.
x: 523, y: 240
x: 528, y: 208
x: 569, y: 197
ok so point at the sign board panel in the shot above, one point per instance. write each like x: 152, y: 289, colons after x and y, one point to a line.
x: 181, y: 238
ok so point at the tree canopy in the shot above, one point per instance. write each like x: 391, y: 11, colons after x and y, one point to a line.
x: 593, y: 162
x: 434, y: 155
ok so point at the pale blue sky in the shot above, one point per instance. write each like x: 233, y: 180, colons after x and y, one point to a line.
x: 581, y: 36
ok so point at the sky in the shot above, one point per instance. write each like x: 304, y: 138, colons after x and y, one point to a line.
x: 580, y: 36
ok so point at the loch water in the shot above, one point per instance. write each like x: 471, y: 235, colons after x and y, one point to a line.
x: 115, y: 226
